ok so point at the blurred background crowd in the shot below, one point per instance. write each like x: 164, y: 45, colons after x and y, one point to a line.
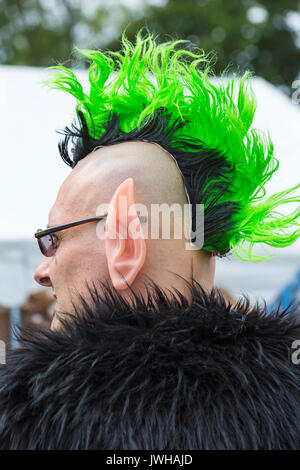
x: 262, y: 36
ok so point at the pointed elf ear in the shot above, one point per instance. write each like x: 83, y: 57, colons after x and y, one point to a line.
x: 125, y: 245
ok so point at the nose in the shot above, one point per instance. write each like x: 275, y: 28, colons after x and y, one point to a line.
x: 41, y: 274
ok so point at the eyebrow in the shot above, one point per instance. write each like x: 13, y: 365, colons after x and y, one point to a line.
x: 52, y: 226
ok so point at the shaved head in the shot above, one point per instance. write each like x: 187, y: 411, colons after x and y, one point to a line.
x: 155, y: 173
x: 82, y: 257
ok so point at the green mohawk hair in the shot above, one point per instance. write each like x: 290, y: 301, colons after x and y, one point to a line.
x: 163, y: 93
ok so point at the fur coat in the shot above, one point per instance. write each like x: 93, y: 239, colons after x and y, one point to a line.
x: 161, y: 373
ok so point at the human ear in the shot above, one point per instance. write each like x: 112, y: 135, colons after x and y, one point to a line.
x: 125, y: 247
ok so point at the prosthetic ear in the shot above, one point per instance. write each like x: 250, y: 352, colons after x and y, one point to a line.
x: 125, y: 245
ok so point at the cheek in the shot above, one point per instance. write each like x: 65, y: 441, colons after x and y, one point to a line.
x: 79, y: 260
x: 95, y: 264
x: 64, y: 265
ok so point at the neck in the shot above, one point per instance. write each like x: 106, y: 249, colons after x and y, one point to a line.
x: 175, y: 273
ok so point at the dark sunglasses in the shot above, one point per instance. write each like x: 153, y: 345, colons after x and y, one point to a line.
x: 47, y: 240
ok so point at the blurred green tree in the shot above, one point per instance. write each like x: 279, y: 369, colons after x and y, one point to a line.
x: 261, y: 36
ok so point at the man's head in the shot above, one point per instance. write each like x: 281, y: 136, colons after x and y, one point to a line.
x: 140, y: 173
x: 148, y: 94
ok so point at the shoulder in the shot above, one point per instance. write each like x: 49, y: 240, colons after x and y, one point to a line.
x: 215, y: 366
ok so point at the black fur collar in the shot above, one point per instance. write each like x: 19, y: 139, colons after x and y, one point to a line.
x: 166, y: 374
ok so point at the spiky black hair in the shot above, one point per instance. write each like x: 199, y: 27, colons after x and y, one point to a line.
x: 157, y: 96
x: 197, y: 163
